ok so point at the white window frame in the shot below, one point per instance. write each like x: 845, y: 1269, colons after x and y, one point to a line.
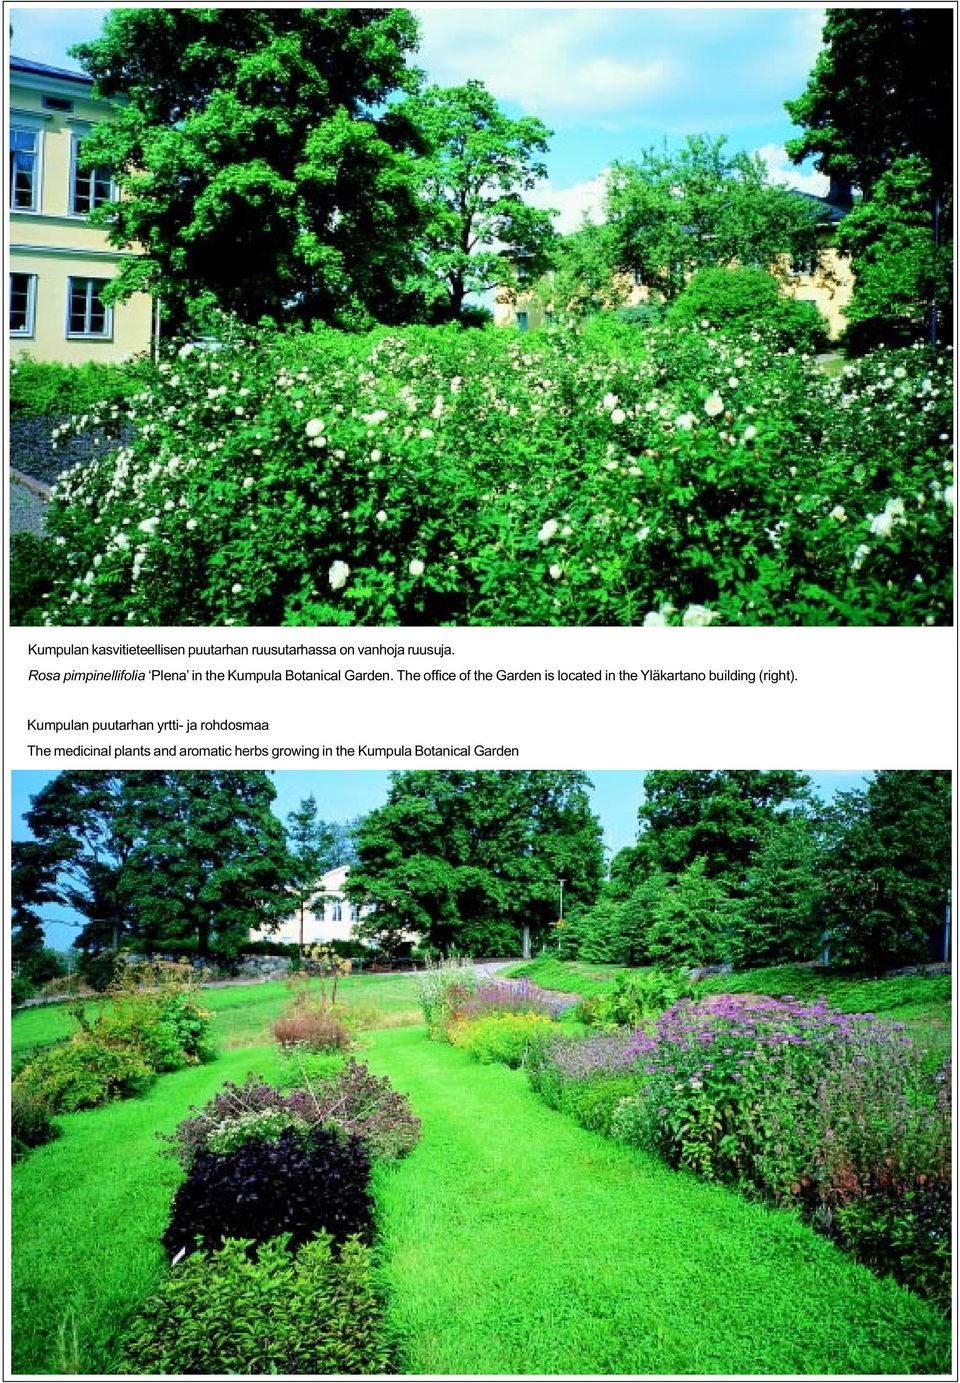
x: 76, y: 139
x: 107, y: 333
x: 27, y: 330
x: 24, y: 125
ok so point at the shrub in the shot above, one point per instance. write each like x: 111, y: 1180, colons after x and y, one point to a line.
x: 84, y: 1073
x: 45, y: 388
x: 749, y: 300
x: 30, y: 1122
x: 497, y: 480
x: 353, y: 1101
x: 632, y: 1000
x: 31, y: 577
x: 314, y: 1029
x: 593, y: 1103
x: 230, y: 1312
x: 20, y: 990
x: 299, y: 1184
x: 169, y: 1030
x: 499, y: 1037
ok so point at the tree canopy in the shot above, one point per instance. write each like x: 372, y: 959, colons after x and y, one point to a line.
x: 479, y: 232
x: 886, y: 872
x: 671, y: 213
x: 881, y: 89
x: 181, y: 861
x: 465, y: 860
x: 259, y: 166
x: 878, y: 112
x: 721, y: 815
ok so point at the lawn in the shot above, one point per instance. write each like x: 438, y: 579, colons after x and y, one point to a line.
x: 513, y: 1241
x: 241, y: 1014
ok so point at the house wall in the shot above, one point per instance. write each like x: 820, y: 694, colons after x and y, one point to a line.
x: 53, y: 244
x: 320, y: 920
x: 830, y: 288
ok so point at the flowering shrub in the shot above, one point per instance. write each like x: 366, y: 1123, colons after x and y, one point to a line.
x: 117, y: 1055
x: 311, y: 1313
x: 827, y: 1111
x: 353, y: 1101
x: 442, y: 477
x: 499, y: 1037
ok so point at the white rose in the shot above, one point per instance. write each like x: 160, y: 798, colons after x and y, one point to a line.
x: 338, y: 575
x: 416, y: 567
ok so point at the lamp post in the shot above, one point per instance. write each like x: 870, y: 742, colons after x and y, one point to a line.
x: 560, y: 923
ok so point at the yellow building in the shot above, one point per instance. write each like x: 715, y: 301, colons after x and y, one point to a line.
x: 59, y: 263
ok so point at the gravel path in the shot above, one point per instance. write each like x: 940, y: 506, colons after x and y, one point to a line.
x: 27, y: 509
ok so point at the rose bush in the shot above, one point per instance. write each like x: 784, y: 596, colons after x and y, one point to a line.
x: 443, y: 477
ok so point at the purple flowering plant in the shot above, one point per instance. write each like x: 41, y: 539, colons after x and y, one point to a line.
x: 808, y: 1106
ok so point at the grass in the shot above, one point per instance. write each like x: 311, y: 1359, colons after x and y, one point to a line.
x: 516, y: 1242
x: 241, y: 1014
x: 567, y: 976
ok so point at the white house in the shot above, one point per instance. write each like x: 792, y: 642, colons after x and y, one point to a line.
x: 329, y: 916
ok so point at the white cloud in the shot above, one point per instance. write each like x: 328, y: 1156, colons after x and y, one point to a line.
x: 548, y: 61
x: 781, y: 170
x: 571, y: 203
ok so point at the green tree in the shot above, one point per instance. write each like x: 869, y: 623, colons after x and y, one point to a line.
x: 784, y: 894
x: 901, y: 273
x: 672, y: 213
x: 881, y: 89
x: 467, y: 860
x: 33, y: 883
x: 209, y: 861
x: 479, y: 231
x: 80, y: 854
x: 719, y: 816
x: 311, y: 843
x: 260, y: 170
x: 584, y: 277
x: 887, y: 869
x: 694, y: 920
x: 878, y: 112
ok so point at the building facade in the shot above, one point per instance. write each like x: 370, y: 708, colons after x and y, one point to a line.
x: 58, y: 262
x: 330, y: 916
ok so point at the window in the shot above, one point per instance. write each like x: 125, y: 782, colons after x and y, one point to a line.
x: 336, y: 911
x: 24, y: 169
x: 56, y: 103
x: 523, y: 320
x: 23, y: 297
x: 87, y: 314
x: 88, y: 188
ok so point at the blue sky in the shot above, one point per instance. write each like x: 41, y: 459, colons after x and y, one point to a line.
x: 342, y: 794
x: 607, y: 81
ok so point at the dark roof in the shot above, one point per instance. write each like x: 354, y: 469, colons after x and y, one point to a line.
x: 42, y: 69
x: 826, y: 210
